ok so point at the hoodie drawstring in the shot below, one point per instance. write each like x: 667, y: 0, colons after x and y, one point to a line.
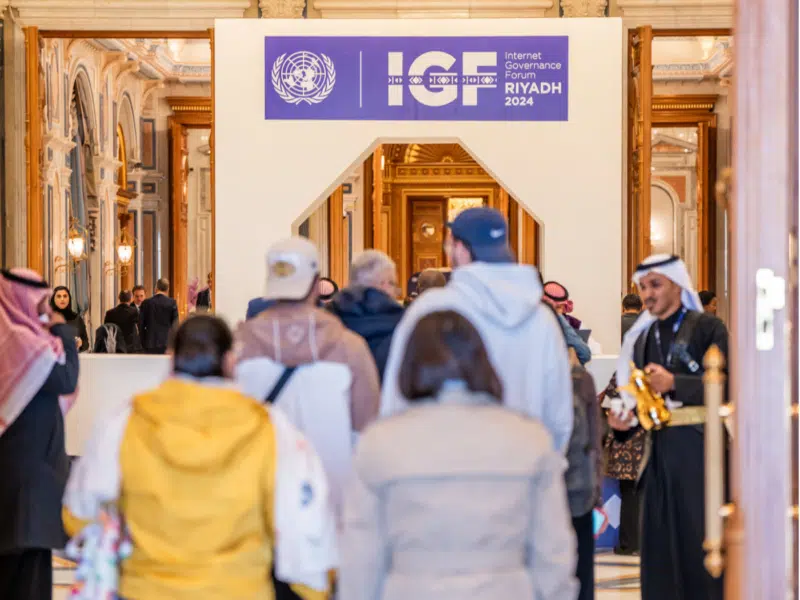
x: 276, y: 339
x: 312, y: 335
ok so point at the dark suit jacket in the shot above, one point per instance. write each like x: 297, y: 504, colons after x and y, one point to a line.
x: 156, y: 317
x: 204, y: 299
x: 126, y: 317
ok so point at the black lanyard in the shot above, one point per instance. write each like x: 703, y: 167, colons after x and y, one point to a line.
x: 675, y: 329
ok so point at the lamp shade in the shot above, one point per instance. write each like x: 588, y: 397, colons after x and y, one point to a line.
x: 76, y: 246
x: 125, y: 253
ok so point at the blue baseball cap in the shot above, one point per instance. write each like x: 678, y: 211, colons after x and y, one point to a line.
x: 485, y: 232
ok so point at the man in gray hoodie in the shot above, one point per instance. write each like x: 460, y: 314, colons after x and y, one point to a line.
x: 503, y: 300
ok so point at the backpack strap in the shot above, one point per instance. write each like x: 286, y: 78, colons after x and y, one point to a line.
x: 280, y: 384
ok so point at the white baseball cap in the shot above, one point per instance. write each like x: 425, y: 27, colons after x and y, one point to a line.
x: 292, y: 267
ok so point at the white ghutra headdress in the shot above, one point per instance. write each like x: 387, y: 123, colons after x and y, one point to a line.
x: 674, y: 269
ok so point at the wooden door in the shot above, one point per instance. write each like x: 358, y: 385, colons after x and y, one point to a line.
x: 179, y: 215
x: 706, y: 205
x: 759, y: 540
x: 640, y: 106
x: 426, y: 231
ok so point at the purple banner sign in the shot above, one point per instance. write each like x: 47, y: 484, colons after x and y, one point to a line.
x: 417, y: 78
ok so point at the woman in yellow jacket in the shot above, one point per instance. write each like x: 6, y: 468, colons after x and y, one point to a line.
x: 204, y: 477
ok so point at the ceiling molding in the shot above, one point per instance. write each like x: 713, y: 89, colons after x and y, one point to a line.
x: 126, y: 15
x: 409, y: 9
x: 689, y: 14
x: 719, y: 64
x: 155, y: 61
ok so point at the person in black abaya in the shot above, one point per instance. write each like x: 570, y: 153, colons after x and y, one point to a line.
x: 669, y: 341
x: 61, y: 302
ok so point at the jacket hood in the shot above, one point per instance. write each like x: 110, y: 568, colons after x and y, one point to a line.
x: 290, y: 334
x: 505, y: 294
x: 367, y: 311
x: 197, y: 425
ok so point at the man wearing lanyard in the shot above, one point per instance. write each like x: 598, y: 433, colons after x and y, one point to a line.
x: 669, y: 341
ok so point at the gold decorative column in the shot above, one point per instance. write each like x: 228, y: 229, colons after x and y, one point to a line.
x: 640, y: 96
x: 529, y: 246
x: 339, y: 269
x: 502, y: 202
x: 378, y: 241
x: 33, y: 147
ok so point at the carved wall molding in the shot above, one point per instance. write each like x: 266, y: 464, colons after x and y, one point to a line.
x: 584, y: 8
x: 684, y: 102
x: 145, y: 15
x: 282, y: 9
x: 437, y: 172
x: 190, y: 104
x: 677, y: 13
x: 391, y: 9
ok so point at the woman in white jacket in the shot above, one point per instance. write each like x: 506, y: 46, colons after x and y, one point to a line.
x: 457, y: 497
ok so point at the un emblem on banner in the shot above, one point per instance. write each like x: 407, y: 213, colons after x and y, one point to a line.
x: 303, y: 77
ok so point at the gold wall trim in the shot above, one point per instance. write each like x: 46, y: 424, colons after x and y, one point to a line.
x: 185, y: 104
x: 186, y: 108
x: 436, y: 172
x: 685, y: 102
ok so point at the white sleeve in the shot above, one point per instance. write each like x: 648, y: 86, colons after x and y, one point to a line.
x: 392, y: 401
x: 95, y: 478
x: 558, y: 411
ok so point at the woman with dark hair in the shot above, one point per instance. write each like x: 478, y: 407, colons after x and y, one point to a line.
x: 201, y: 474
x: 473, y: 505
x: 61, y: 302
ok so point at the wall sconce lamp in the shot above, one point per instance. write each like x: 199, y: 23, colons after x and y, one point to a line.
x: 125, y: 247
x: 76, y: 247
x: 76, y: 241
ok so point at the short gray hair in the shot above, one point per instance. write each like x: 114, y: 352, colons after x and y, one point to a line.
x: 368, y: 266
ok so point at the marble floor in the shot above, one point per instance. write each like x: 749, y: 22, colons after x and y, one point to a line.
x: 617, y: 577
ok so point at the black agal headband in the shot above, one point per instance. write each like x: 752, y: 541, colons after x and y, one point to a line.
x: 659, y: 263
x: 23, y: 280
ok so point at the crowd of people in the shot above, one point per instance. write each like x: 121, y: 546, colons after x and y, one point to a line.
x: 343, y: 442
x: 136, y: 325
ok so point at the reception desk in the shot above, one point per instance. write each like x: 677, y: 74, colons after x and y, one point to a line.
x: 106, y: 380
